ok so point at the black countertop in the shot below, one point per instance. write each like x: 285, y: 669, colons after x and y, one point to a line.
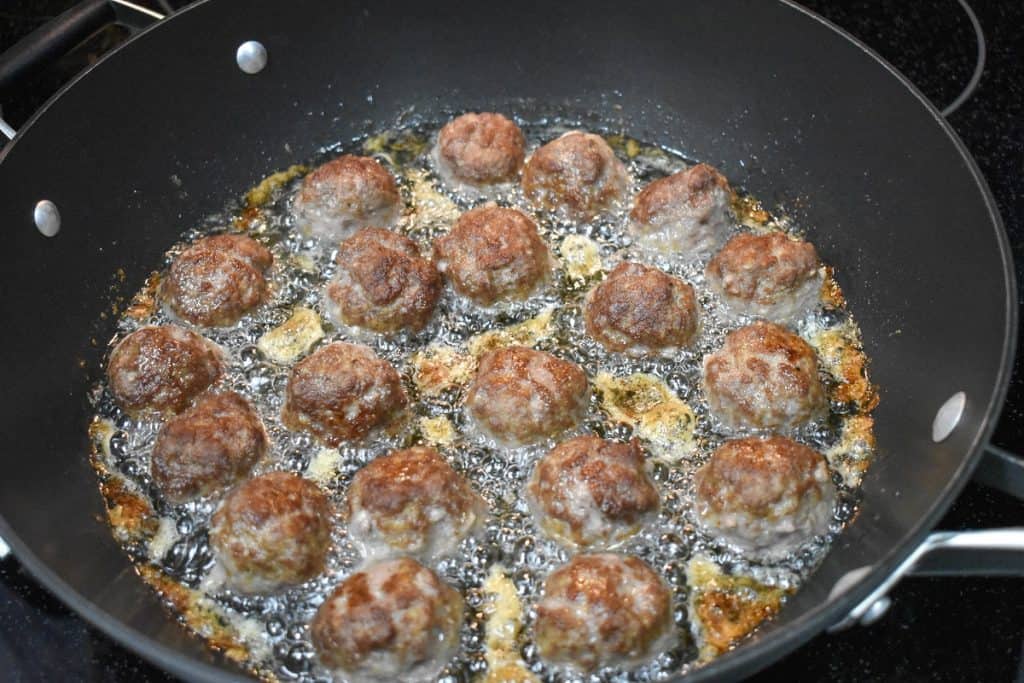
x: 955, y: 629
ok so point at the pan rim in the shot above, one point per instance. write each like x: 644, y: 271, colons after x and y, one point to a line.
x: 745, y: 659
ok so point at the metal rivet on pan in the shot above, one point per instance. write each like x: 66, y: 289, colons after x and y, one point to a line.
x: 251, y: 57
x: 876, y: 611
x: 47, y: 217
x: 948, y: 416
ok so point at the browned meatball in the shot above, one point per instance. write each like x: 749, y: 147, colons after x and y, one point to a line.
x: 344, y: 195
x: 241, y: 247
x: 162, y: 368
x: 271, y: 532
x: 341, y: 392
x: 394, y: 620
x: 577, y: 175
x: 411, y: 502
x: 481, y: 149
x: 763, y: 377
x: 383, y: 284
x: 521, y: 396
x: 685, y: 213
x: 217, y: 280
x: 493, y: 253
x: 765, y: 496
x: 592, y: 492
x: 602, y: 609
x: 209, y: 446
x: 641, y: 310
x: 769, y: 276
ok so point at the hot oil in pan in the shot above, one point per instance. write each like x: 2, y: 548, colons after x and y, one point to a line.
x: 269, y: 634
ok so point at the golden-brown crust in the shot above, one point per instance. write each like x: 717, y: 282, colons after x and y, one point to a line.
x: 383, y: 284
x: 577, y: 173
x: 341, y: 392
x: 600, y: 609
x: 217, y: 280
x: 398, y: 610
x: 482, y: 148
x: 757, y: 475
x: 493, y: 253
x: 640, y: 309
x: 162, y: 368
x: 241, y: 247
x: 346, y: 194
x: 691, y: 186
x: 618, y: 490
x: 763, y: 377
x: 762, y: 269
x: 407, y: 493
x: 271, y: 531
x: 213, y: 444
x: 520, y: 395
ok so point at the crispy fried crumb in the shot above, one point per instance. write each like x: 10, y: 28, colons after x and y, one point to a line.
x: 143, y: 304
x: 526, y: 333
x: 438, y: 368
x: 264, y: 191
x: 725, y: 608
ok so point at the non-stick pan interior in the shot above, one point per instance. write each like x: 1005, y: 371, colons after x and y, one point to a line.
x: 168, y: 128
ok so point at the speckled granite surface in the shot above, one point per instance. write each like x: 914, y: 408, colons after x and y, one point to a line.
x: 939, y: 629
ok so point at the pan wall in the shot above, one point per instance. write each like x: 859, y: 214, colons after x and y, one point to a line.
x: 168, y: 128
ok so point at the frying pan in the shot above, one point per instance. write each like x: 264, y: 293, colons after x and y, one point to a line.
x: 164, y: 129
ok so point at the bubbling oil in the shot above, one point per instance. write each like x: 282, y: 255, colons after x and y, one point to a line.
x: 280, y: 646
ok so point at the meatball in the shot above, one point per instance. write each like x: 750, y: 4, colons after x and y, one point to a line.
x: 480, y: 149
x: 641, y: 310
x: 769, y: 276
x: 162, y: 368
x: 341, y: 392
x: 521, y: 396
x: 241, y: 247
x: 344, y: 195
x: 493, y: 253
x: 271, y: 532
x: 394, y: 620
x: 765, y: 495
x: 577, y: 175
x: 591, y: 492
x: 211, y: 445
x: 763, y: 377
x: 383, y: 284
x: 686, y: 213
x: 602, y: 609
x: 411, y: 502
x: 217, y: 280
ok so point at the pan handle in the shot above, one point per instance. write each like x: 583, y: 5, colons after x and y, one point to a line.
x: 987, y: 552
x: 1001, y: 470
x: 60, y: 35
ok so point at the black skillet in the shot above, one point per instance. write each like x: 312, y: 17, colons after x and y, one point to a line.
x: 164, y: 129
